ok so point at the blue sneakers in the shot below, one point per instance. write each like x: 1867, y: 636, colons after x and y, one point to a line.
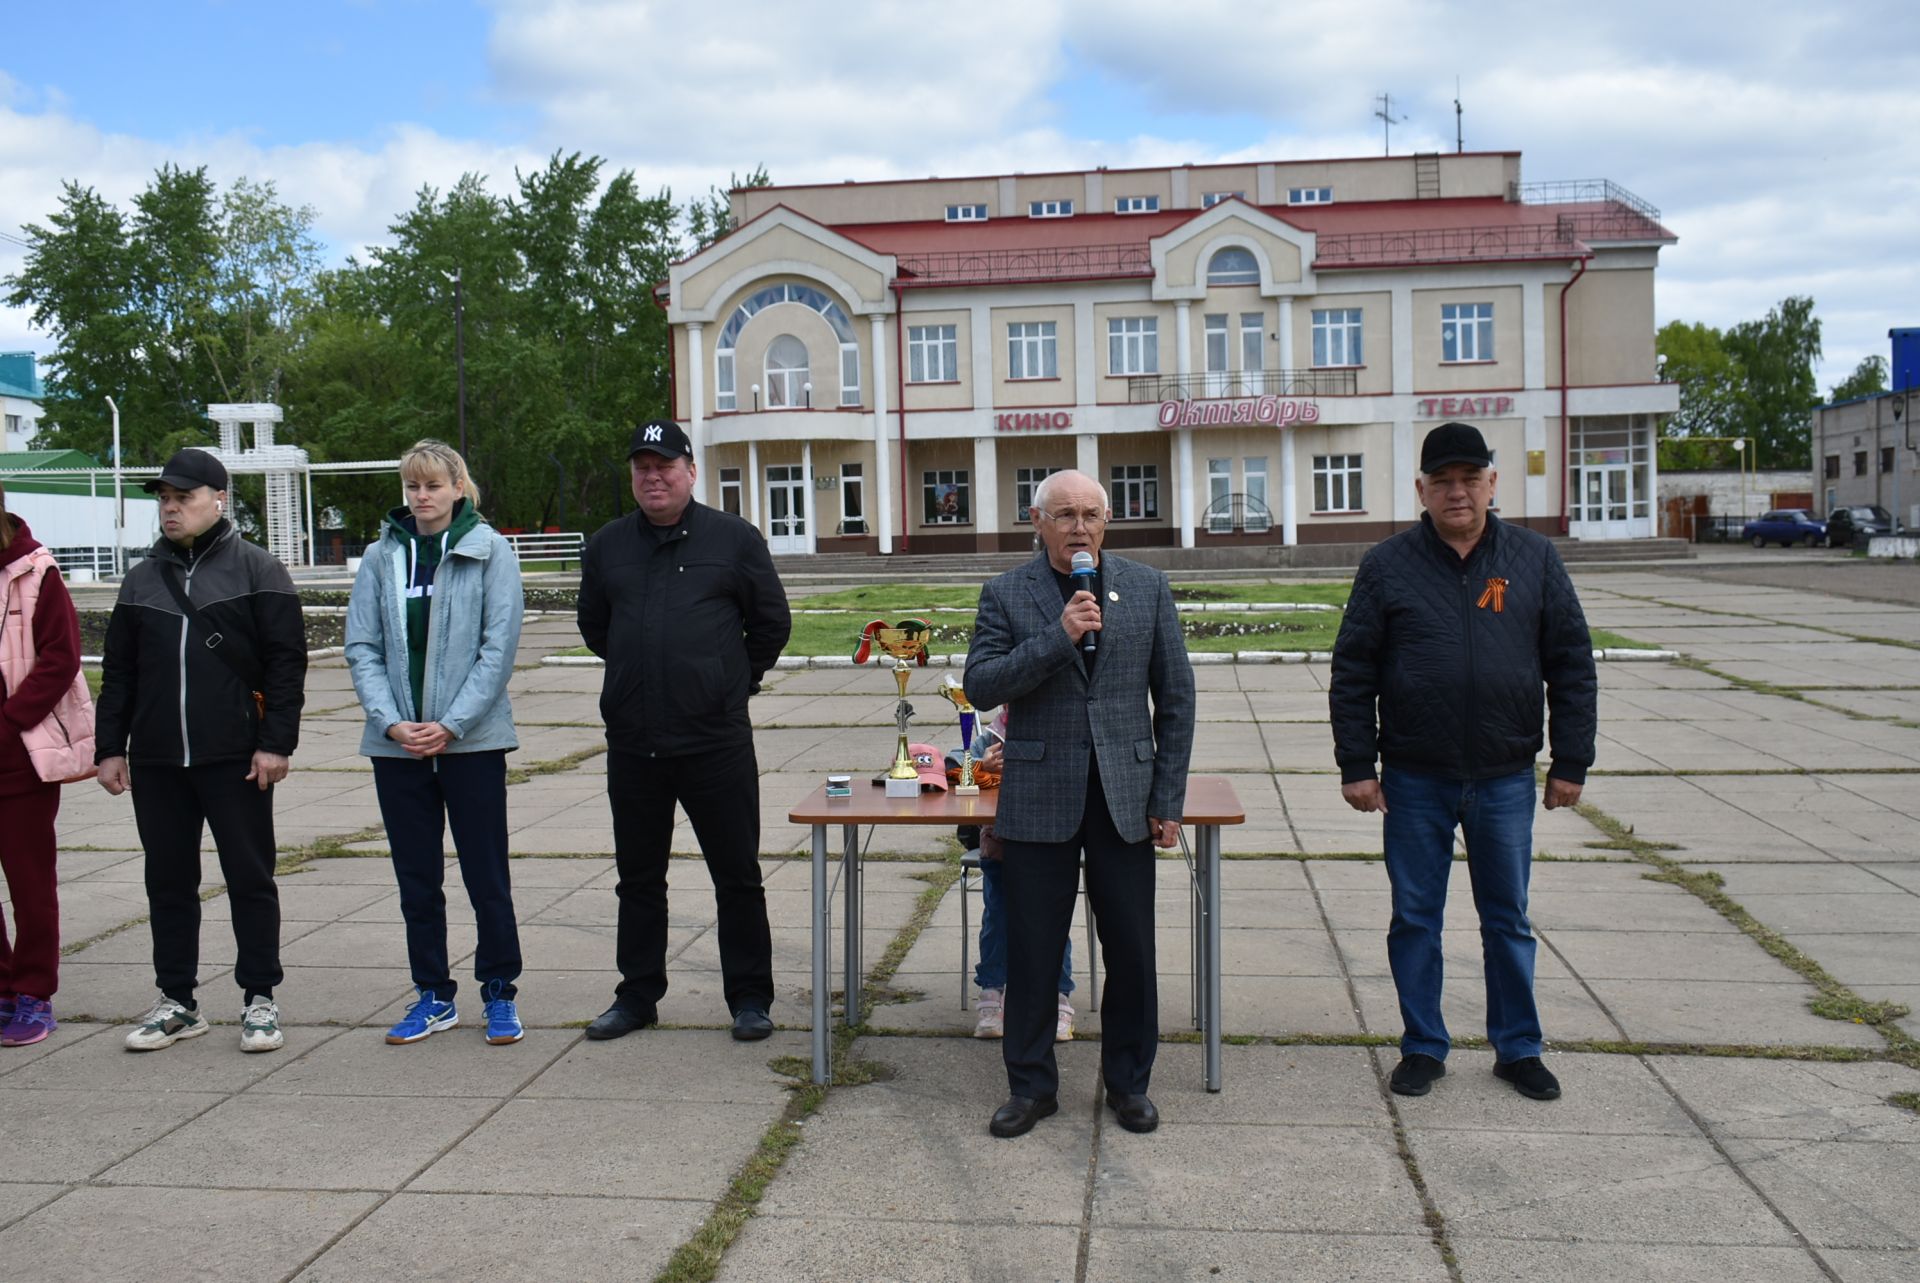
x: 503, y: 1018
x: 424, y: 1018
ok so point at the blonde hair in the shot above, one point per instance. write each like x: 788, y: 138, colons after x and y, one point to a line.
x: 430, y: 458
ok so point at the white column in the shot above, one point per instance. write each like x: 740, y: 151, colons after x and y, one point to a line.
x: 1645, y: 422
x: 1533, y: 334
x: 1084, y: 370
x: 1289, y: 491
x: 882, y: 472
x: 1403, y: 341
x: 753, y: 485
x: 1086, y: 456
x: 1183, y: 452
x: 986, y: 485
x: 696, y: 410
x: 807, y: 496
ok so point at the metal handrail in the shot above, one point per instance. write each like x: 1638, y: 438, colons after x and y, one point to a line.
x: 1240, y: 512
x: 1001, y: 266
x: 1584, y: 191
x: 1448, y: 244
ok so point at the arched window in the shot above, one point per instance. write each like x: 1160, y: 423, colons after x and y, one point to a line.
x: 1233, y: 266
x: 787, y: 373
x: 725, y: 393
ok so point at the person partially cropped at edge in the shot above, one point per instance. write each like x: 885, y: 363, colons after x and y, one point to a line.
x: 1095, y: 767
x: 1453, y: 629
x: 199, y: 711
x: 432, y: 628
x: 684, y: 604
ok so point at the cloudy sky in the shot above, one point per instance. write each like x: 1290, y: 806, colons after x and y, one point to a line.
x: 1776, y: 138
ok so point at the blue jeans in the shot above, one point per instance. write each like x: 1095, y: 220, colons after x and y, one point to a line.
x: 1496, y: 817
x: 991, y: 973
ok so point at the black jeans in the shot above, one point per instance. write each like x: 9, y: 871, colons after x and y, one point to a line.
x: 419, y: 800
x: 1041, y: 880
x: 720, y: 792
x: 172, y: 805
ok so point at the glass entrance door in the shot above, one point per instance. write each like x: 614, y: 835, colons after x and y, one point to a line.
x: 786, y: 509
x: 1609, y: 479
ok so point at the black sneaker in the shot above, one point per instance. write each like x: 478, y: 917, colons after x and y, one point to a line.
x: 751, y: 1024
x: 1530, y: 1078
x: 1416, y: 1074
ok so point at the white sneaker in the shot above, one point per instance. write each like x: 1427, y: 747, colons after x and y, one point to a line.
x: 1063, y: 1029
x: 167, y: 1023
x: 260, y: 1026
x: 993, y: 1014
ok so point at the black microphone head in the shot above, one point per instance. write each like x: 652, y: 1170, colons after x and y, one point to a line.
x: 1082, y: 563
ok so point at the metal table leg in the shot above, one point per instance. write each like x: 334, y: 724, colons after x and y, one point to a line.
x: 850, y: 875
x: 1210, y: 860
x: 822, y: 937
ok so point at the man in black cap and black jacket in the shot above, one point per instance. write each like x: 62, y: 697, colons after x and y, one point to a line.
x: 683, y: 603
x: 1453, y: 628
x: 201, y: 689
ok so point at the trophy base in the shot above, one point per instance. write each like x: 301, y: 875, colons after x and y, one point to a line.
x: 903, y: 788
x: 966, y: 790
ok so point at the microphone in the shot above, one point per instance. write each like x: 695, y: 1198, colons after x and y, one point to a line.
x: 1083, y: 575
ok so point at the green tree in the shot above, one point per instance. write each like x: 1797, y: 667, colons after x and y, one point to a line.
x: 1777, y: 354
x: 1868, y: 377
x: 1712, y: 383
x: 711, y: 217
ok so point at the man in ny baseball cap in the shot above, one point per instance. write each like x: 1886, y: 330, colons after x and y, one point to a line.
x: 189, y: 470
x: 663, y: 437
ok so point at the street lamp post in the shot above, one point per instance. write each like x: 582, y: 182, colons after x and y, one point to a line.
x: 119, y: 504
x: 460, y: 351
x: 1740, y: 449
x: 1899, y: 412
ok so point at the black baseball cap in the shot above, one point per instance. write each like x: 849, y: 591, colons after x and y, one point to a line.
x: 189, y: 469
x: 663, y: 437
x: 1454, y: 443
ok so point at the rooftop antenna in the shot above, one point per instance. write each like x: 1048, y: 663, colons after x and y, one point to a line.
x: 1388, y: 121
x: 1459, y: 143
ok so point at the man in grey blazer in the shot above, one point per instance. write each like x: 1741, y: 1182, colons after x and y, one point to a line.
x: 1094, y: 672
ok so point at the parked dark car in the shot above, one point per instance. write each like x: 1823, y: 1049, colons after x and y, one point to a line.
x: 1785, y: 526
x: 1857, y: 524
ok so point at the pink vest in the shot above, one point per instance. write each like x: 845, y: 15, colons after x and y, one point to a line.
x: 62, y: 746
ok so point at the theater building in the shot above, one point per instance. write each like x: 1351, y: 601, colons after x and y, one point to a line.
x: 1242, y: 354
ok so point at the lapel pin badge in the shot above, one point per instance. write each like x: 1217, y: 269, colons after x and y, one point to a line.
x: 1112, y: 595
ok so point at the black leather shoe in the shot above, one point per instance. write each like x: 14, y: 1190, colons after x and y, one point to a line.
x: 750, y: 1024
x: 1020, y: 1113
x: 618, y: 1021
x: 1416, y: 1074
x: 1135, y: 1113
x: 1530, y: 1078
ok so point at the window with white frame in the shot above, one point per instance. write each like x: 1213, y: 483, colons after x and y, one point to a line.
x: 725, y: 387
x: 1253, y: 481
x: 1253, y: 348
x: 1214, y: 353
x: 1026, y: 484
x: 1214, y: 198
x: 1050, y: 209
x: 945, y: 497
x: 1466, y: 331
x: 1233, y: 266
x: 730, y: 490
x: 1135, y: 491
x: 1219, y: 496
x: 1136, y: 204
x: 853, y: 508
x: 1336, y: 336
x: 1032, y: 350
x: 1133, y: 345
x: 966, y: 213
x: 1309, y: 195
x: 723, y: 393
x: 933, y: 354
x: 1336, y: 483
x: 849, y: 374
x: 787, y: 373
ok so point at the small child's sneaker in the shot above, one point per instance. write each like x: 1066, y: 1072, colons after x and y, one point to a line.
x: 167, y: 1023
x: 1063, y: 1027
x: 30, y: 1021
x: 993, y: 1014
x: 260, y: 1026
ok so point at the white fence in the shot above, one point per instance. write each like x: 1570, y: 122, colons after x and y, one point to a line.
x: 562, y: 546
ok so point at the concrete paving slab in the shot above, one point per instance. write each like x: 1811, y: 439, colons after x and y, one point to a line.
x: 1841, y: 1193
x: 455, y: 1063
x: 1482, y: 1257
x: 207, y: 1063
x: 17, y: 1200
x: 1667, y: 955
x: 1894, y: 1265
x: 1200, y: 1256
x: 1603, y: 1096
x: 679, y: 1066
x: 228, y: 1234
x: 1567, y: 1010
x: 70, y: 1033
x: 97, y: 1128
x: 1864, y: 958
x: 1818, y: 913
x: 1795, y: 1099
x: 1714, y: 1011
x: 476, y: 1237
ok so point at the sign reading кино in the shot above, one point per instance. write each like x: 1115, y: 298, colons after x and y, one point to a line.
x: 1265, y: 409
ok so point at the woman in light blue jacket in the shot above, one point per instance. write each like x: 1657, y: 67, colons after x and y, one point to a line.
x: 432, y: 628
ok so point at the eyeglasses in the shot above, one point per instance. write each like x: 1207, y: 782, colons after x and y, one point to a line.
x: 1092, y: 520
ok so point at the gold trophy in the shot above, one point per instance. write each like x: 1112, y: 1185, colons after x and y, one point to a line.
x: 956, y: 695
x: 906, y: 641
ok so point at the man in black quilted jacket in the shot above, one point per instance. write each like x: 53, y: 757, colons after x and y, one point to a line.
x: 1453, y: 630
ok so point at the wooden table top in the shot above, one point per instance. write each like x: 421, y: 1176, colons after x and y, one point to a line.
x: 1210, y: 800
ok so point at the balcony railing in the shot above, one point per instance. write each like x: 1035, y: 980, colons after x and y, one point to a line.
x: 1446, y: 245
x: 1584, y: 191
x: 1022, y: 266
x: 1242, y: 513
x: 1149, y: 389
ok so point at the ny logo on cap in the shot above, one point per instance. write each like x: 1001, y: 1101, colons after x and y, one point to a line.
x: 652, y: 434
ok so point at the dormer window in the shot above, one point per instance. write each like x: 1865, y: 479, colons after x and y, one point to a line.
x: 1050, y: 209
x: 1309, y: 195
x: 1136, y: 204
x: 966, y: 213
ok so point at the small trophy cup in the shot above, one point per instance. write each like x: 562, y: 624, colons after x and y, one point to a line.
x: 906, y: 641
x: 956, y: 695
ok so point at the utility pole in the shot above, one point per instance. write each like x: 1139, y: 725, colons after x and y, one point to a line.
x: 119, y: 504
x: 460, y: 351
